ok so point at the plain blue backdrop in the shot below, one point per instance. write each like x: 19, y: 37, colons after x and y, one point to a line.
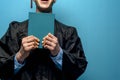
x: 97, y: 23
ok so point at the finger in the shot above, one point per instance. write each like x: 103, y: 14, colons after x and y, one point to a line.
x: 55, y: 40
x: 37, y: 39
x: 30, y: 39
x: 43, y: 43
x: 51, y: 35
x: 33, y: 38
x: 49, y: 47
x: 29, y: 48
x: 50, y: 43
x: 48, y: 38
x: 31, y: 43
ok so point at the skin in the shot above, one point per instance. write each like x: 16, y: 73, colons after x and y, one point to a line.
x: 49, y: 42
x: 44, y: 6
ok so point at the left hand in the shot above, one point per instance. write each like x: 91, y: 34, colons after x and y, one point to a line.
x: 51, y: 42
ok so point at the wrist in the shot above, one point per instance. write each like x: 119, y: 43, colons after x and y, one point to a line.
x: 54, y: 55
x: 56, y: 52
x: 20, y: 58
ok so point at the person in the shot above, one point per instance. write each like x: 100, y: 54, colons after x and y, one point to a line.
x: 61, y: 58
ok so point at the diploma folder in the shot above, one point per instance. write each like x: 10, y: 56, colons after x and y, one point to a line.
x: 40, y: 24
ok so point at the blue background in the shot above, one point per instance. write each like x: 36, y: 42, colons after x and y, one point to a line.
x: 97, y: 23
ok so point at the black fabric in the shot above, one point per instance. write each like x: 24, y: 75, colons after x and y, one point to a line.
x: 39, y: 65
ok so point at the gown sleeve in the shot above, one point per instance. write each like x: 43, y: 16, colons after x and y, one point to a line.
x: 74, y: 60
x: 8, y: 48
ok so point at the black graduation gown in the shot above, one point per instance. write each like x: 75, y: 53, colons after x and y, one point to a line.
x: 39, y: 66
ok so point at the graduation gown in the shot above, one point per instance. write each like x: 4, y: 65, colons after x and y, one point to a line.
x: 39, y: 65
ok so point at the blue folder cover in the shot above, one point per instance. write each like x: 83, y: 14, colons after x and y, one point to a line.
x: 40, y: 24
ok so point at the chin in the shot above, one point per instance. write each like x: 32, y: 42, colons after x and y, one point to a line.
x: 44, y: 6
x: 45, y: 9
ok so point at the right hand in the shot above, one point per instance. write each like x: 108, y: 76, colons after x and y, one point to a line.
x: 28, y: 43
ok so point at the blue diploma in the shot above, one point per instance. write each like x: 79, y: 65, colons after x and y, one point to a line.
x: 40, y: 24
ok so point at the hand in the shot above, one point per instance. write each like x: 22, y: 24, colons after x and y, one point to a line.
x: 51, y: 42
x: 28, y: 43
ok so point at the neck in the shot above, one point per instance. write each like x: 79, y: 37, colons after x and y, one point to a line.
x: 43, y: 11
